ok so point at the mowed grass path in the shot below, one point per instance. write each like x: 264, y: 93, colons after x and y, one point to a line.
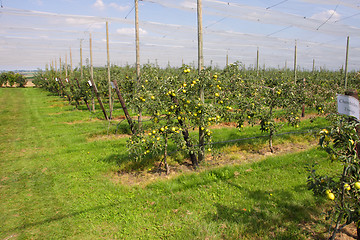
x: 54, y: 184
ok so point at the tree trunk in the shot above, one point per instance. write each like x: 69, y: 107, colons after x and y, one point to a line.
x: 303, y: 111
x: 165, y: 156
x: 271, y: 141
x: 303, y: 106
x: 87, y: 104
x: 353, y: 93
x: 186, y: 136
x: 336, y: 227
x: 271, y: 134
x: 61, y: 87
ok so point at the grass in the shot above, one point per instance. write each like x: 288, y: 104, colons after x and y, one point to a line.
x: 55, y: 184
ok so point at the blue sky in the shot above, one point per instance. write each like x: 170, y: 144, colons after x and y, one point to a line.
x: 37, y: 32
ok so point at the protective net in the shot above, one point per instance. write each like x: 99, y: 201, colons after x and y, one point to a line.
x: 31, y: 39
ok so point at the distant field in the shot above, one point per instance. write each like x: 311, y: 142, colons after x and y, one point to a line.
x: 29, y: 76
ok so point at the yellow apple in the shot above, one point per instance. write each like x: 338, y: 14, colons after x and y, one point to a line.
x: 331, y: 196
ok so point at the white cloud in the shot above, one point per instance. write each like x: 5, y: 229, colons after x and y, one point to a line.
x: 325, y: 15
x: 37, y: 2
x: 189, y: 4
x: 93, y: 24
x: 119, y: 7
x: 99, y: 4
x: 348, y: 3
x: 130, y: 31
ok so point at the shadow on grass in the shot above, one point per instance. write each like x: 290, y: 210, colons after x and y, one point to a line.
x: 61, y: 217
x: 276, y: 214
x: 127, y: 164
x: 118, y: 159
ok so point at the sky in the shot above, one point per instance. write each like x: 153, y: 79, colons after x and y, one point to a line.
x: 36, y: 33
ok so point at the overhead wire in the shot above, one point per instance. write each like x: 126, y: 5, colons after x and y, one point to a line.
x: 220, y: 20
x: 129, y: 12
x: 181, y: 34
x: 277, y: 4
x: 332, y: 14
x: 279, y: 30
x: 341, y: 19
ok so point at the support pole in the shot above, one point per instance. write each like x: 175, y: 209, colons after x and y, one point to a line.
x: 346, y: 61
x: 66, y: 66
x: 295, y: 62
x: 60, y: 65
x: 201, y: 155
x: 137, y: 42
x: 71, y: 63
x: 313, y: 68
x: 257, y: 61
x: 108, y: 68
x: 81, y: 63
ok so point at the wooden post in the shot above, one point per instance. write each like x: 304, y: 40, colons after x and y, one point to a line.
x: 227, y: 59
x: 81, y: 77
x: 108, y: 68
x: 66, y: 66
x: 93, y: 83
x: 123, y: 105
x: 81, y: 63
x: 295, y: 62
x: 201, y: 155
x: 346, y: 61
x: 313, y: 68
x: 71, y: 63
x: 60, y: 65
x: 303, y: 106
x: 92, y: 73
x: 257, y: 61
x: 137, y: 42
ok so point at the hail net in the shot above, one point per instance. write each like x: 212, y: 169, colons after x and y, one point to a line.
x: 31, y: 39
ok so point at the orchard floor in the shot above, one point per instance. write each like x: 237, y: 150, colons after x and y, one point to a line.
x: 59, y: 181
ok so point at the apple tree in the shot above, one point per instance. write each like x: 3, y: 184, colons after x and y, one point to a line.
x: 341, y: 142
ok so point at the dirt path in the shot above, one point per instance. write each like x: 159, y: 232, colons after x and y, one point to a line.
x: 233, y: 156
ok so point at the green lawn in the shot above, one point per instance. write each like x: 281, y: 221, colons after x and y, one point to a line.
x: 55, y: 184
